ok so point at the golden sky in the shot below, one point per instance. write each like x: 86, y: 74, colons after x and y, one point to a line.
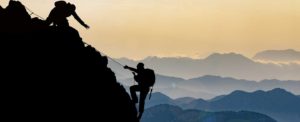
x: 193, y: 28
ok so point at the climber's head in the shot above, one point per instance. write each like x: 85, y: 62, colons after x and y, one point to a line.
x: 60, y: 3
x: 140, y: 66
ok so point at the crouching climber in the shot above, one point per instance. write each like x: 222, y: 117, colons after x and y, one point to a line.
x: 62, y: 10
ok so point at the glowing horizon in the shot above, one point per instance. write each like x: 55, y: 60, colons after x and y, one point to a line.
x: 138, y: 28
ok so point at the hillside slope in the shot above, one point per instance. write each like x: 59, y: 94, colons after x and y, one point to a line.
x: 48, y: 73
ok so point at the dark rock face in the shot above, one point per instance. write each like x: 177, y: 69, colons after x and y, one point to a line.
x: 48, y: 73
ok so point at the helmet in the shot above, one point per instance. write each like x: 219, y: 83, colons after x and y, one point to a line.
x: 60, y: 3
x: 140, y: 65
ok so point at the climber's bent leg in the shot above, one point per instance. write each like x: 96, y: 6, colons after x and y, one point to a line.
x: 133, y: 90
x: 143, y: 96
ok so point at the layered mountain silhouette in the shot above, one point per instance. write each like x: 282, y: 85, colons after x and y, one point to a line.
x: 49, y: 74
x: 170, y: 113
x: 226, y: 65
x: 279, y: 104
x: 159, y: 98
x: 209, y: 86
x: 183, y: 100
x: 288, y: 55
x: 224, y: 85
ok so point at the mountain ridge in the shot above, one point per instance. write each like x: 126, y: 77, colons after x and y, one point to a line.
x: 277, y: 103
x: 288, y: 55
x: 170, y: 113
x: 210, y: 86
x: 225, y: 65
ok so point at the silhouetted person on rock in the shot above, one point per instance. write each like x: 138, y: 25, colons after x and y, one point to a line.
x: 145, y: 79
x: 62, y: 10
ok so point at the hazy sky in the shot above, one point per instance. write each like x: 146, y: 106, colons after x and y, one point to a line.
x: 140, y: 28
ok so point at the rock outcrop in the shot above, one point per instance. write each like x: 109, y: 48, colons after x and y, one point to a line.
x: 48, y: 73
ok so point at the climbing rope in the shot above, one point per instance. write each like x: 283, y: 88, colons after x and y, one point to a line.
x: 115, y: 62
x: 32, y: 13
x: 107, y: 56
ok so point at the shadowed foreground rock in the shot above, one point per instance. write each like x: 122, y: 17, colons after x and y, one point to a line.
x: 49, y: 74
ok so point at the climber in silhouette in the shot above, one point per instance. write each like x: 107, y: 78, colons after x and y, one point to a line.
x: 141, y: 77
x: 62, y: 10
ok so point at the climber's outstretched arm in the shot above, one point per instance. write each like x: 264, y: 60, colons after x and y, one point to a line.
x: 130, y: 68
x: 79, y: 20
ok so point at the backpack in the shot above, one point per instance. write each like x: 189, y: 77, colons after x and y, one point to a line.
x: 149, y: 77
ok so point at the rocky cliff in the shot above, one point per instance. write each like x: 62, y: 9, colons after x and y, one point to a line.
x: 48, y: 73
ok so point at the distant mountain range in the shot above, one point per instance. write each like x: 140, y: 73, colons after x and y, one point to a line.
x: 159, y: 98
x: 169, y: 113
x: 277, y: 103
x: 223, y: 85
x: 278, y: 55
x: 209, y: 86
x: 226, y: 65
